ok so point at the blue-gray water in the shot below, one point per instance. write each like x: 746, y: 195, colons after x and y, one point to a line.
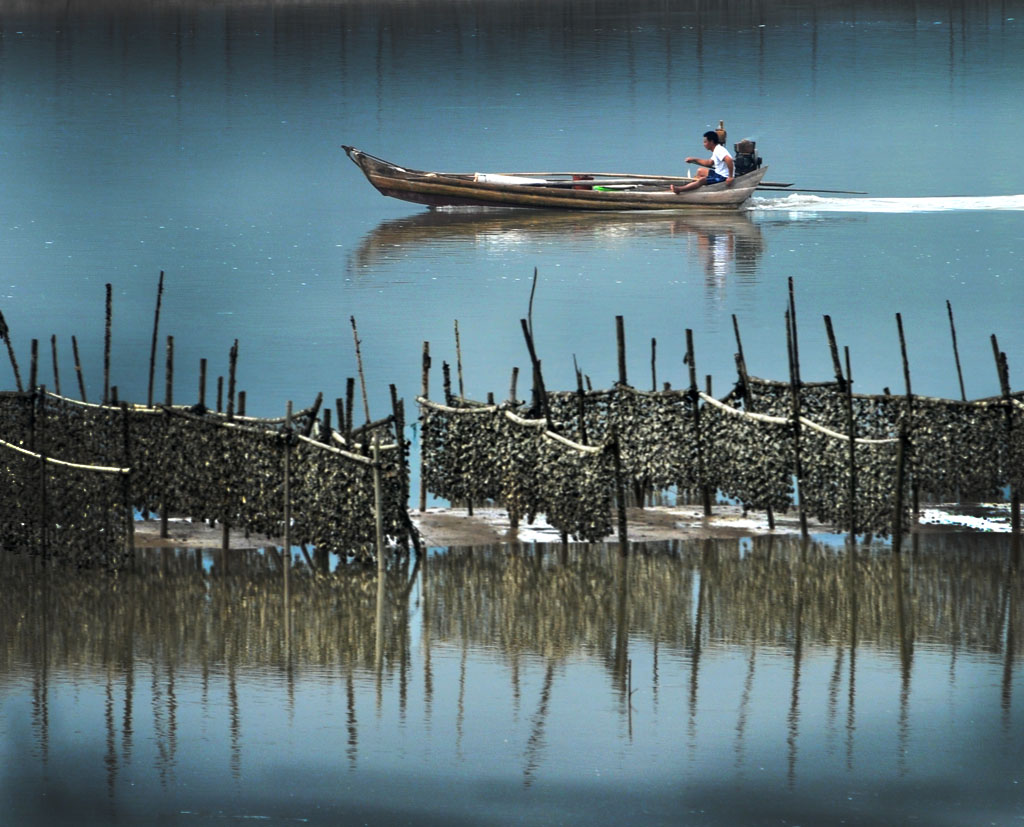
x: 719, y: 682
x: 205, y: 142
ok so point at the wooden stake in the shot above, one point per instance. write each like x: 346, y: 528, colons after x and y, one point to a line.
x: 168, y: 375
x: 512, y: 386
x: 425, y: 393
x: 910, y: 406
x: 106, y: 346
x: 794, y: 385
x: 232, y: 365
x: 748, y: 401
x: 1003, y: 370
x: 33, y: 366
x: 378, y: 506
x: 350, y: 398
x: 446, y: 382
x: 897, y: 519
x: 287, y: 538
x: 78, y: 369
x: 620, y: 494
x: 581, y: 407
x: 620, y: 340
x: 458, y: 360
x: 56, y: 371
x: 126, y: 479
x: 359, y: 364
x: 654, y: 371
x: 152, y: 348
x: 39, y: 431
x: 202, y: 384
x: 168, y: 401
x: 956, y: 352
x: 5, y: 334
x: 339, y: 409
x: 541, y: 392
x: 690, y: 360
x: 852, y: 431
x: 845, y: 386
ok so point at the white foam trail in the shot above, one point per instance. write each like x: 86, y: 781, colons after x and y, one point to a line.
x: 803, y: 203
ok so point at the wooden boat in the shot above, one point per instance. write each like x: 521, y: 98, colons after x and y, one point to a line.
x: 560, y: 190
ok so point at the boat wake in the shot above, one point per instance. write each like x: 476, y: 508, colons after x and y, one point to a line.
x: 802, y: 203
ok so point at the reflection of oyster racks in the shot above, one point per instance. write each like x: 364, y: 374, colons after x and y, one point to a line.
x: 207, y: 465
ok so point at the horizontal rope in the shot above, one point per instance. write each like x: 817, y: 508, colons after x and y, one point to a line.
x: 51, y: 461
x: 136, y: 407
x: 576, y: 446
x: 437, y: 406
x: 781, y: 420
x: 338, y: 451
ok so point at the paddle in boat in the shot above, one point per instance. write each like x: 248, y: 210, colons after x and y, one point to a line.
x: 561, y: 190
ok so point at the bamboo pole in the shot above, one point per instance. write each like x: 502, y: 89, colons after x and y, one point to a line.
x: 852, y: 430
x: 620, y: 348
x: 169, y: 373
x: 38, y: 437
x: 748, y: 401
x: 106, y: 345
x: 152, y: 347
x: 620, y: 494
x: 33, y: 365
x: 846, y: 387
x: 202, y: 384
x: 1003, y: 370
x: 350, y: 398
x: 956, y: 352
x: 654, y: 370
x: 5, y: 334
x: 691, y: 361
x: 78, y: 369
x: 458, y: 359
x: 126, y: 479
x: 359, y: 364
x: 378, y: 507
x: 541, y: 392
x: 339, y: 410
x: 897, y: 518
x: 794, y: 385
x: 56, y: 369
x: 168, y: 401
x: 425, y: 393
x: 581, y: 411
x: 287, y: 491
x: 512, y: 386
x: 910, y: 407
x: 232, y: 366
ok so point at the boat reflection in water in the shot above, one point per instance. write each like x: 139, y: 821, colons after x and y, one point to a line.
x: 722, y: 242
x: 764, y: 672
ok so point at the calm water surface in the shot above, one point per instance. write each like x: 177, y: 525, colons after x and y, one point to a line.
x: 205, y: 142
x: 717, y: 682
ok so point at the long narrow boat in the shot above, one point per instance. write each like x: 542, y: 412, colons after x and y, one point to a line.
x: 563, y: 190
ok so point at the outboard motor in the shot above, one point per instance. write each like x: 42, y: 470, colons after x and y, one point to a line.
x: 745, y: 157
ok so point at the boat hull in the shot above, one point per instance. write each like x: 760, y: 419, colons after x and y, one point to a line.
x: 461, y: 190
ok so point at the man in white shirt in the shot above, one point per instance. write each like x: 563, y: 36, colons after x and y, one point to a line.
x: 719, y: 167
